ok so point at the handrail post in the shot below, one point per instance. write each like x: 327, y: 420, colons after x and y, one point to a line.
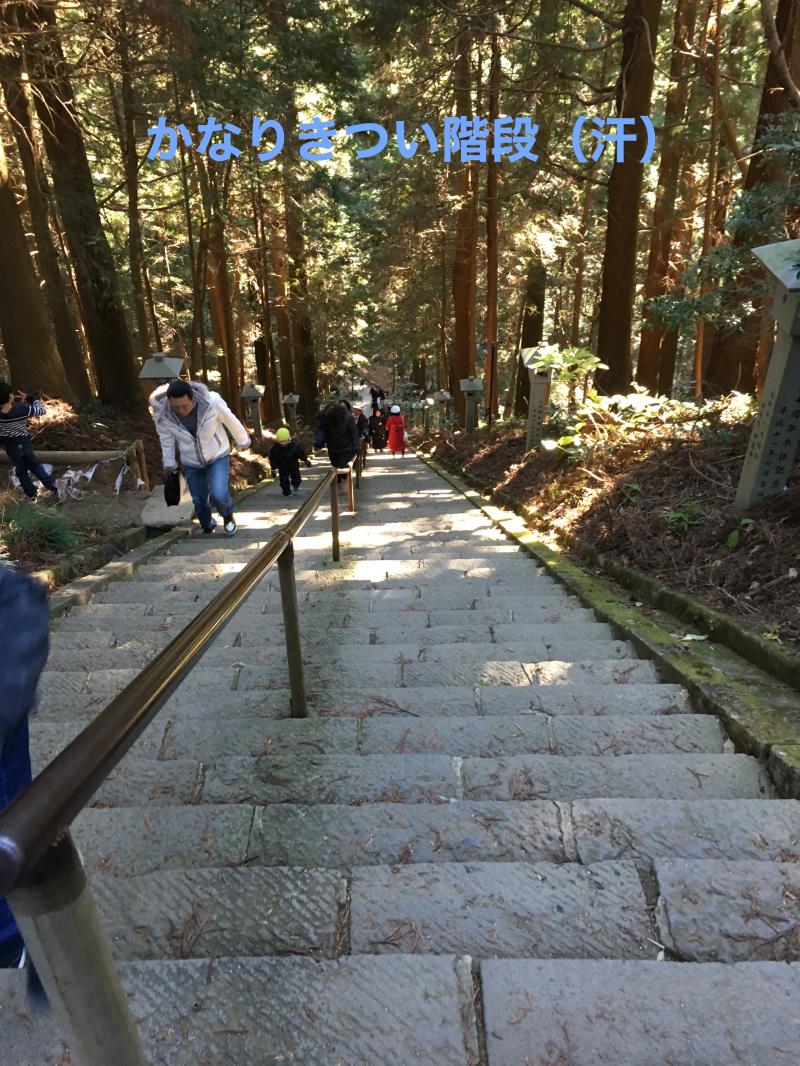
x: 357, y: 469
x: 335, y: 519
x: 291, y: 629
x: 62, y: 928
x: 351, y: 492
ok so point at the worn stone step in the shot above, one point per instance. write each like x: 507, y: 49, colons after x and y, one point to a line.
x: 217, y: 912
x: 310, y: 779
x: 595, y: 1013
x: 504, y: 910
x: 648, y: 829
x: 528, y: 777
x: 506, y: 672
x: 231, y: 1011
x: 208, y: 739
x: 561, y: 649
x: 534, y: 733
x: 585, y: 698
x: 715, y: 911
x: 344, y: 836
x: 125, y: 841
x: 208, y: 702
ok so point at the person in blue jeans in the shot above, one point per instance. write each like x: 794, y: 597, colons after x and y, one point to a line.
x: 193, y: 425
x: 15, y: 411
x: 24, y: 629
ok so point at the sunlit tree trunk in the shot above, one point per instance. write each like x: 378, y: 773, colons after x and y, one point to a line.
x: 104, y: 319
x: 665, y: 214
x: 20, y: 110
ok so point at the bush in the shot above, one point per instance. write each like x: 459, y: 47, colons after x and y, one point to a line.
x: 36, y: 529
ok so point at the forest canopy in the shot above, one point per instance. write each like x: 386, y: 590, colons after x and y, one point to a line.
x: 430, y: 265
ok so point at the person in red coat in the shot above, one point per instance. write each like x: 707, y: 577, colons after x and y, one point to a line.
x: 396, y: 426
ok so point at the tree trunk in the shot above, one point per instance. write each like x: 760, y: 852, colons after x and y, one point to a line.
x: 95, y: 272
x: 124, y: 109
x: 491, y: 237
x: 305, y: 370
x: 55, y: 287
x: 640, y: 34
x: 28, y: 339
x: 283, y: 324
x: 664, y: 214
x: 733, y: 355
x: 266, y: 368
x: 532, y: 327
x: 580, y: 265
x: 465, y: 241
x: 683, y: 233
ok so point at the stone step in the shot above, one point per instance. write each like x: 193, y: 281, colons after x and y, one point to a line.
x: 272, y: 655
x: 598, y: 1012
x: 529, y: 777
x: 62, y: 702
x: 584, y: 698
x: 174, y: 914
x: 125, y: 841
x: 211, y: 702
x: 310, y: 779
x: 229, y: 1011
x: 715, y: 911
x: 649, y: 829
x: 477, y: 737
x: 503, y: 910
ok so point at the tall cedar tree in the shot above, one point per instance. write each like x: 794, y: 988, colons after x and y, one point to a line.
x: 634, y: 89
x: 102, y: 311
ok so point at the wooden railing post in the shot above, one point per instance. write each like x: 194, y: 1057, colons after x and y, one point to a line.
x: 351, y: 492
x: 291, y: 629
x: 335, y: 519
x: 70, y: 947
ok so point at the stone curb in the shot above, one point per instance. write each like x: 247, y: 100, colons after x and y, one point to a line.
x: 760, y: 712
x: 97, y: 555
x: 720, y: 627
x: 137, y: 549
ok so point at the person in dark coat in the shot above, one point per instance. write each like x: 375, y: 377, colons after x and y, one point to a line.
x: 24, y: 628
x: 341, y: 435
x: 377, y: 431
x: 285, y: 456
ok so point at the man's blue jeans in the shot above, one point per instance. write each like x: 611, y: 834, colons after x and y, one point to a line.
x: 210, y: 483
x: 15, y: 775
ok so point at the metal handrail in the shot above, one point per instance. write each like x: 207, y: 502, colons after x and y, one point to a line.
x: 37, y: 818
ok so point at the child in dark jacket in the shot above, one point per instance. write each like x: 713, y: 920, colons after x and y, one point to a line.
x: 15, y: 410
x: 285, y: 456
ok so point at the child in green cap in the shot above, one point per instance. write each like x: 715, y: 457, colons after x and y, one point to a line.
x: 285, y: 456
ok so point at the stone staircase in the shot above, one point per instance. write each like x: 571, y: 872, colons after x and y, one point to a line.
x: 499, y: 839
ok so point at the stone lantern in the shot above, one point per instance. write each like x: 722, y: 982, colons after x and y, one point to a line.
x: 252, y: 394
x: 472, y: 388
x: 537, y: 405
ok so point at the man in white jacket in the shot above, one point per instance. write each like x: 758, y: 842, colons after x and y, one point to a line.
x: 192, y: 422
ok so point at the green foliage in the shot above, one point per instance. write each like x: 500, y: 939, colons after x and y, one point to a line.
x: 683, y: 518
x: 630, y: 492
x: 735, y: 535
x: 36, y: 529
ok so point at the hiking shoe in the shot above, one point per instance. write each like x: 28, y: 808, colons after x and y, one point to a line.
x: 230, y: 526
x: 209, y: 529
x: 295, y: 489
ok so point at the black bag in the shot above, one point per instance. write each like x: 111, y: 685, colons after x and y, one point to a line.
x: 172, y: 488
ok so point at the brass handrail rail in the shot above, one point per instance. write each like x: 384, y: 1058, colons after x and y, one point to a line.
x: 34, y: 821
